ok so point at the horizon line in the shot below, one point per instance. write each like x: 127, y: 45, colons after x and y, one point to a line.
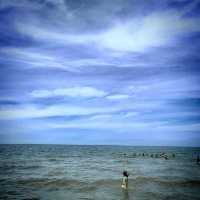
x: 123, y: 145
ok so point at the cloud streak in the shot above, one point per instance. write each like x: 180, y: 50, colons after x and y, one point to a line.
x: 136, y: 35
x: 69, y: 92
x: 31, y: 111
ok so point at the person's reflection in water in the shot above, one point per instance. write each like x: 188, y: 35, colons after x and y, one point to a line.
x: 125, y: 195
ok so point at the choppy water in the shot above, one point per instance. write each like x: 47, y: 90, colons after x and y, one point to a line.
x: 57, y: 172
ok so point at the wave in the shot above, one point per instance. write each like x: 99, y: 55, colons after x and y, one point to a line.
x: 167, y: 181
x: 4, y: 168
x: 92, y: 185
x: 52, y: 159
x: 137, y: 185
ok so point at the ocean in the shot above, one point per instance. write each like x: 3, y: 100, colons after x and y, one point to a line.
x: 70, y: 172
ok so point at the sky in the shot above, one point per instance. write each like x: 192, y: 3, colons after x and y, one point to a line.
x: 122, y: 72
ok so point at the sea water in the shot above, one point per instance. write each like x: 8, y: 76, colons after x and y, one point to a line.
x: 70, y: 172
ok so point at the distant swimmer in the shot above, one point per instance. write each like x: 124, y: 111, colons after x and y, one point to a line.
x: 156, y: 156
x: 194, y: 155
x: 173, y: 155
x: 125, y: 180
x: 198, y: 160
x: 162, y: 154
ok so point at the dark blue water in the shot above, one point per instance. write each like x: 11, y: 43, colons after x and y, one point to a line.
x: 94, y: 172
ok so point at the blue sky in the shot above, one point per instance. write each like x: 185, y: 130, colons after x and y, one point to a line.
x: 100, y: 72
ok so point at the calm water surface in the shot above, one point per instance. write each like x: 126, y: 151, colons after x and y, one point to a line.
x: 58, y: 172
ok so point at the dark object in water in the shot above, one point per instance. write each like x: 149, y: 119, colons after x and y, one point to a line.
x: 198, y: 160
x: 156, y: 155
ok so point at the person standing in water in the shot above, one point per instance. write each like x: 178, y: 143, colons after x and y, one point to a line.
x: 125, y: 180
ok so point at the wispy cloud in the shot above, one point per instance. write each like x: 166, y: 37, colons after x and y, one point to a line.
x: 103, y: 111
x: 137, y: 35
x: 69, y: 92
x: 118, y: 96
x: 32, y: 111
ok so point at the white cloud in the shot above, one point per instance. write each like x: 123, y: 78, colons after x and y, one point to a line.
x: 56, y: 36
x: 36, y: 58
x: 124, y: 124
x: 113, y: 116
x: 131, y: 114
x: 137, y: 34
x: 102, y: 116
x: 183, y: 127
x: 27, y: 53
x: 39, y: 58
x: 154, y: 30
x: 118, y: 97
x: 70, y: 92
x: 97, y: 124
x: 119, y: 125
x: 31, y: 111
x: 104, y: 112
